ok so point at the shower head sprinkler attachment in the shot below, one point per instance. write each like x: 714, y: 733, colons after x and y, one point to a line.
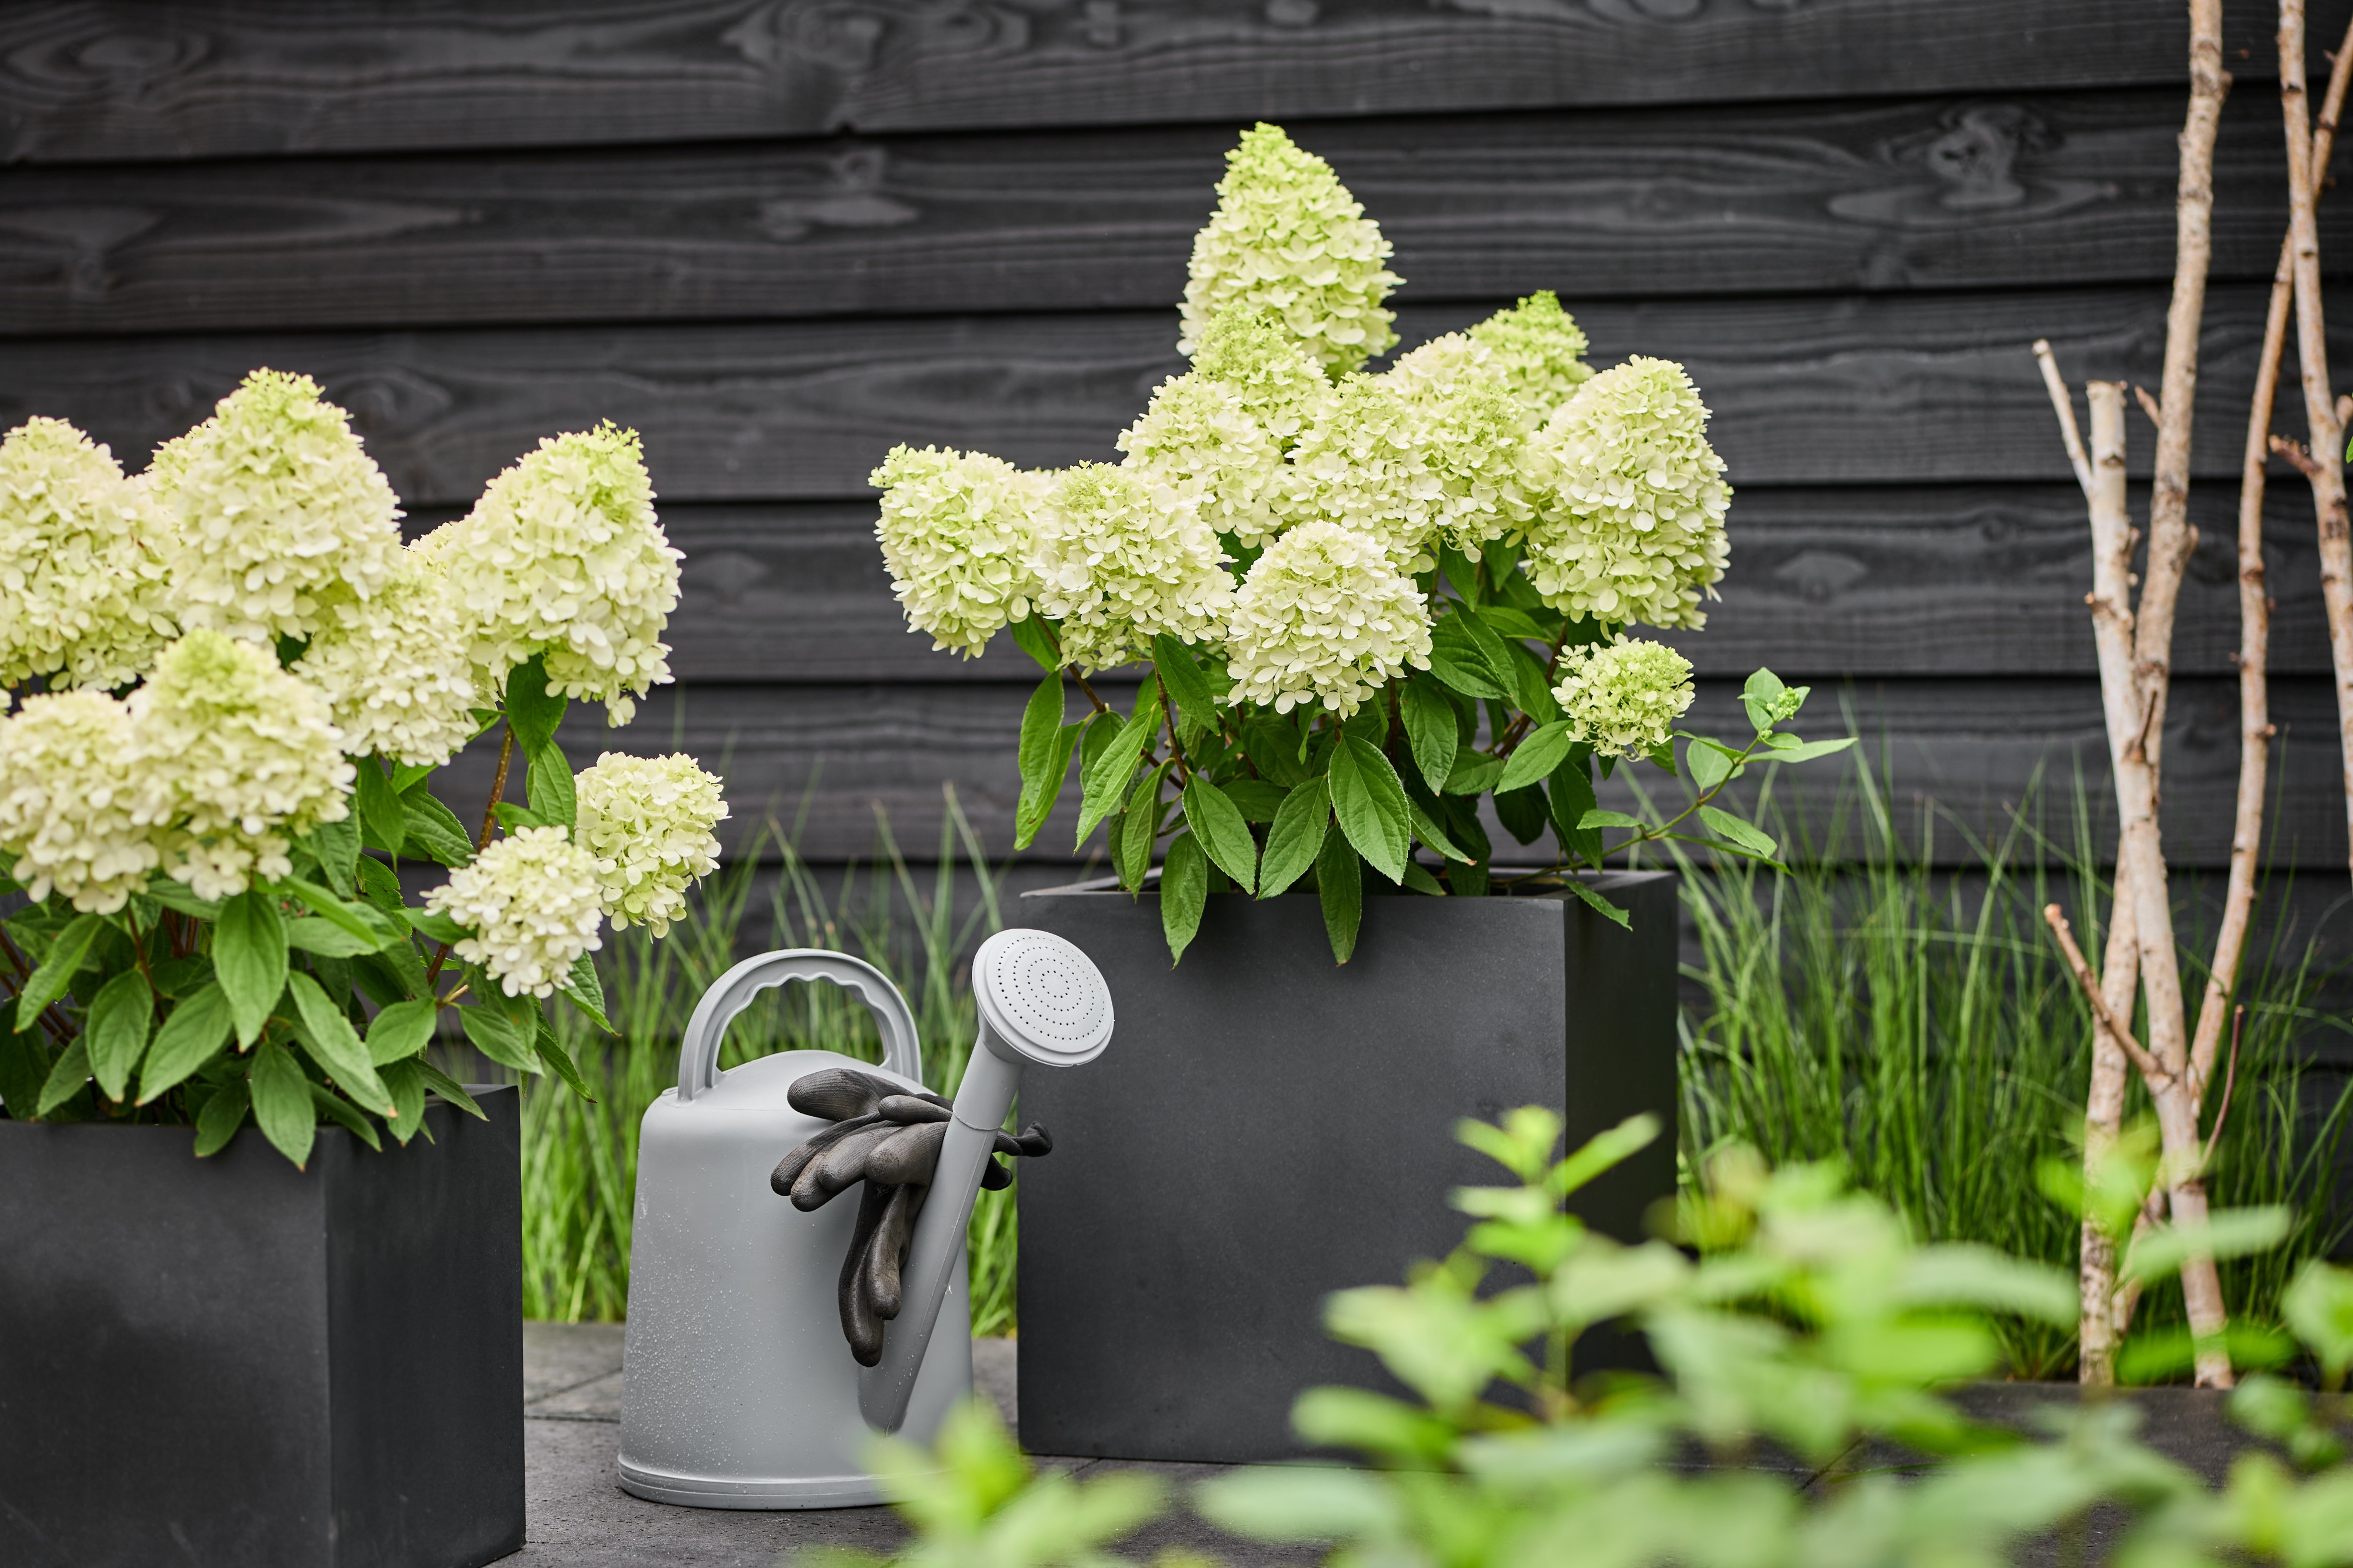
x: 1042, y: 1001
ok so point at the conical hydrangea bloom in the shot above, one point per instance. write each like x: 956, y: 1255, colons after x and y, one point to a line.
x: 1539, y: 350
x: 397, y: 669
x: 647, y: 822
x: 277, y: 518
x: 1287, y: 237
x: 1631, y: 528
x: 563, y: 557
x: 1323, y: 617
x: 1280, y: 383
x: 1118, y: 571
x: 235, y: 757
x: 1473, y: 436
x: 84, y: 590
x: 1623, y: 697
x: 1198, y: 449
x: 957, y: 530
x: 1367, y: 465
x: 531, y: 903
x: 67, y: 821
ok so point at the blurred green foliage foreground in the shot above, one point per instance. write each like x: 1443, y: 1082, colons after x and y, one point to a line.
x: 1796, y: 1315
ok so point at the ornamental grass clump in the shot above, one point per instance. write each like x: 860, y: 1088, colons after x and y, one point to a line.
x: 231, y: 686
x: 1360, y: 601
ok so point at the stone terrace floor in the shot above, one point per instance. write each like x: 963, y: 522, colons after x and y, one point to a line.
x: 580, y: 1517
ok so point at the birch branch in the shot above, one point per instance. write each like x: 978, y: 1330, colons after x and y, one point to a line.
x: 2064, y: 405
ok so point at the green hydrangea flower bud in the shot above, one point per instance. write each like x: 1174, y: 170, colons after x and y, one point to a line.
x: 1289, y: 238
x: 1539, y: 350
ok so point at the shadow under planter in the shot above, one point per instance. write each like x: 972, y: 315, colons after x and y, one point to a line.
x: 232, y: 1362
x: 1269, y: 1127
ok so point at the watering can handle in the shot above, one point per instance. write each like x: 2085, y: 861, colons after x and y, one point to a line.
x: 698, y: 1054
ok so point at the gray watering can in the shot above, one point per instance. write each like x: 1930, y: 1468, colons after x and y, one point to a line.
x: 740, y: 1391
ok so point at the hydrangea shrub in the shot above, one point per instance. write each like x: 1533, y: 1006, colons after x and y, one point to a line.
x: 227, y: 686
x: 1363, y: 603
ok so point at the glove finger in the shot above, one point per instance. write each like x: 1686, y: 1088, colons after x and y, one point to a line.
x: 859, y: 1326
x: 909, y: 1155
x: 1034, y: 1141
x: 908, y: 1109
x: 788, y: 1170
x: 840, y: 1167
x: 995, y: 1178
x: 838, y: 1094
x: 886, y: 1253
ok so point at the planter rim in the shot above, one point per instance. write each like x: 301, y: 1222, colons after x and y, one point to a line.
x: 1610, y: 878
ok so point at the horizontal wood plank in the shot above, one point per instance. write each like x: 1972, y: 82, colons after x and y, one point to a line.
x: 104, y: 79
x: 1952, y: 754
x: 1924, y: 194
x: 1825, y: 584
x: 1886, y: 389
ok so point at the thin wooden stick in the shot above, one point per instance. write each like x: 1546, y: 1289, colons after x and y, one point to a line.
x: 2063, y: 404
x: 2156, y: 1071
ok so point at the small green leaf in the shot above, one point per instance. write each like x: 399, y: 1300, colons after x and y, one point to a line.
x: 1339, y: 882
x: 435, y: 833
x: 1218, y: 823
x: 499, y: 1037
x: 1739, y: 831
x: 1430, y: 729
x: 178, y: 899
x: 1523, y: 811
x: 511, y: 816
x: 1258, y: 799
x: 434, y: 925
x: 550, y: 1051
x: 2318, y: 1305
x: 399, y: 1032
x: 327, y: 1034
x: 54, y: 977
x: 2227, y: 1233
x: 281, y: 1102
x: 1570, y: 797
x: 1474, y: 773
x: 116, y: 1030
x: 1513, y: 624
x: 406, y: 1081
x: 327, y: 938
x: 1457, y: 659
x: 1425, y: 828
x: 532, y: 711
x: 379, y: 883
x: 1105, y: 780
x: 1538, y: 753
x: 1596, y: 901
x: 65, y: 1078
x: 1137, y: 828
x: 548, y: 784
x: 447, y: 1088
x: 1789, y: 749
x: 383, y: 825
x: 249, y: 960
x: 585, y: 990
x: 1181, y: 678
x: 356, y: 918
x: 1031, y: 635
x: 1044, y: 758
x: 1494, y: 652
x: 336, y: 847
x: 1419, y: 880
x: 1370, y: 804
x: 344, y: 1115
x: 222, y: 1114
x: 1297, y: 836
x: 1597, y: 817
x: 1184, y: 893
x: 1706, y: 764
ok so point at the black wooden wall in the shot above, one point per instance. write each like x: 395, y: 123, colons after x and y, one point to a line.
x: 777, y: 235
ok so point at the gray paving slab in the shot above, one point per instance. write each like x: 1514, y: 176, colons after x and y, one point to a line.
x: 579, y: 1518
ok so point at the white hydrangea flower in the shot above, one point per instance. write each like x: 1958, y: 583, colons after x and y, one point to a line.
x: 531, y: 903
x: 1323, y: 617
x: 563, y: 557
x: 235, y: 756
x: 956, y: 533
x: 1540, y: 350
x: 275, y: 516
x: 84, y: 591
x: 1630, y: 521
x: 1445, y: 363
x: 67, y: 821
x: 1623, y: 696
x: 648, y: 821
x: 1288, y: 238
x: 398, y: 669
x: 1281, y: 385
x: 1198, y: 449
x: 1474, y: 439
x: 1117, y: 569
x: 1368, y: 464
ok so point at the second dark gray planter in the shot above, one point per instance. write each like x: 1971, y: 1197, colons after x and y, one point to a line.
x: 230, y: 1361
x: 1268, y: 1127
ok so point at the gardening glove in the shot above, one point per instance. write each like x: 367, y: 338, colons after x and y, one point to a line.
x: 889, y: 1140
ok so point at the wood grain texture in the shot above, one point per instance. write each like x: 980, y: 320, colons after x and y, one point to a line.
x: 1924, y: 194
x: 102, y: 79
x: 1951, y: 754
x: 1825, y: 584
x: 1825, y: 390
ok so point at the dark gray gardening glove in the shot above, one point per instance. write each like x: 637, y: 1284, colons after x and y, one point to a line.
x: 890, y: 1140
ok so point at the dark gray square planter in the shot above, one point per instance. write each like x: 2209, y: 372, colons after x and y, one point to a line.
x: 232, y: 1362
x: 1268, y: 1128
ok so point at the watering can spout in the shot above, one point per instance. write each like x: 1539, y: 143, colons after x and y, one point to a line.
x: 1040, y: 1000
